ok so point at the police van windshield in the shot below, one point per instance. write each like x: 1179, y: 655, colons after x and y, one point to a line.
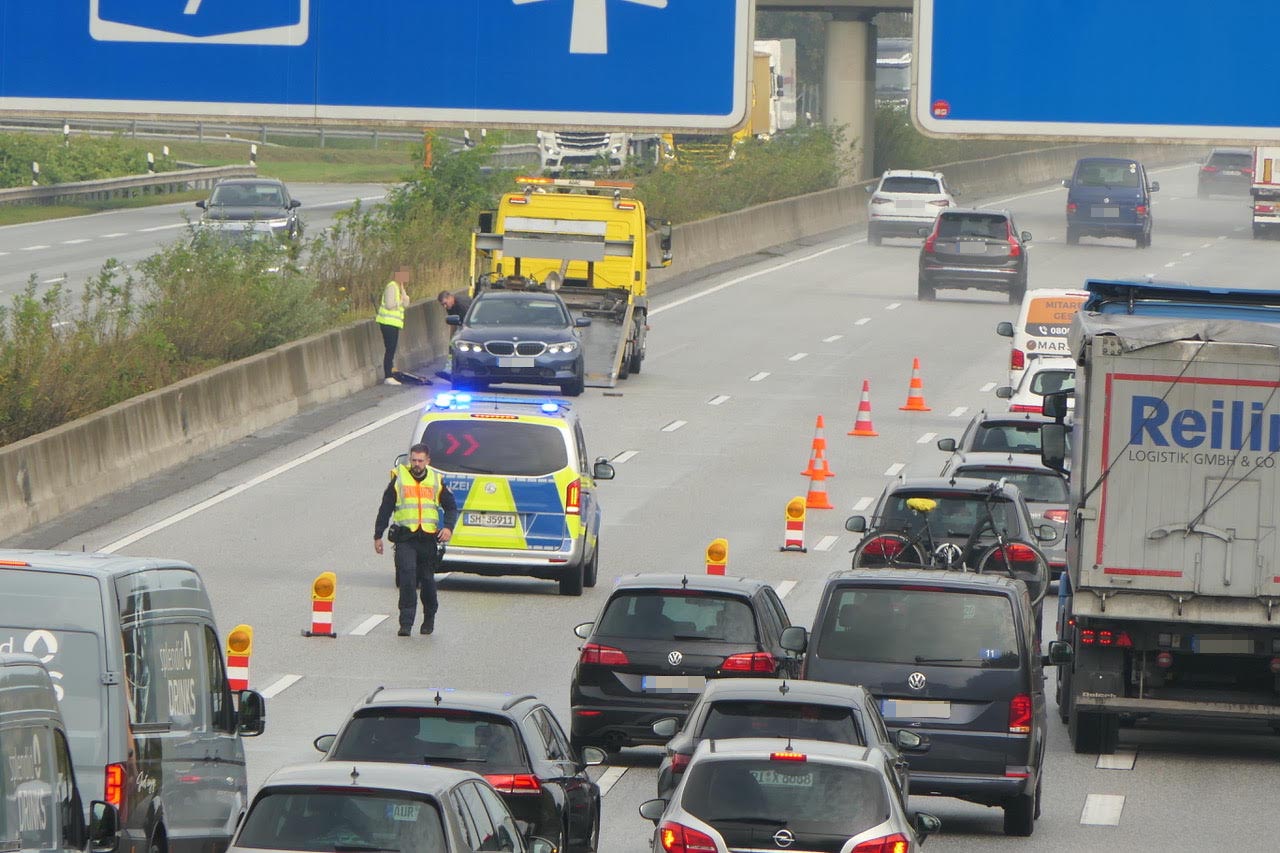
x: 805, y: 797
x: 508, y: 448
x: 920, y: 626
x: 58, y: 618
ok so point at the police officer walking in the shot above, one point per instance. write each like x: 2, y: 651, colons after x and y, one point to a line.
x: 422, y: 512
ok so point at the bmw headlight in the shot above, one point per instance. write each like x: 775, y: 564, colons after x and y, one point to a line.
x: 563, y: 348
x: 468, y: 346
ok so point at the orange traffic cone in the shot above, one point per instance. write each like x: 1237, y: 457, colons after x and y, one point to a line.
x: 862, y: 425
x: 915, y: 391
x: 817, y: 497
x: 818, y: 466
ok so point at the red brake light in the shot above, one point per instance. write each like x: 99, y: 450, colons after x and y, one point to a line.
x: 678, y: 838
x: 1026, y: 407
x: 788, y: 756
x: 679, y: 761
x: 884, y: 546
x: 1088, y: 636
x: 1058, y: 515
x: 932, y: 239
x: 1248, y: 172
x: 573, y: 498
x: 604, y: 655
x: 750, y: 662
x: 896, y: 843
x: 113, y: 789
x: 517, y: 783
x: 1141, y: 210
x: 1264, y: 208
x: 1014, y: 249
x: 1071, y: 207
x: 1017, y: 359
x: 1020, y: 714
x: 1208, y: 168
x: 1016, y: 553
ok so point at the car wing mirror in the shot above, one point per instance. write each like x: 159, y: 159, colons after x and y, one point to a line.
x: 104, y: 826
x: 909, y: 741
x: 1055, y: 405
x: 923, y: 232
x: 666, y: 727
x: 856, y: 524
x: 294, y: 203
x: 538, y: 844
x: 926, y: 825
x: 1046, y: 533
x: 947, y: 444
x: 869, y: 188
x: 1155, y: 186
x: 324, y: 743
x: 1026, y: 236
x: 603, y: 469
x: 202, y: 204
x: 581, y: 322
x: 453, y: 320
x: 1053, y: 446
x: 251, y: 714
x: 1004, y: 329
x: 583, y: 630
x: 1066, y: 182
x: 1004, y: 392
x: 1060, y: 652
x: 594, y: 756
x: 653, y: 809
x: 794, y: 639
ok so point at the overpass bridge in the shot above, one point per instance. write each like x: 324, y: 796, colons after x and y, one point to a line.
x: 848, y: 87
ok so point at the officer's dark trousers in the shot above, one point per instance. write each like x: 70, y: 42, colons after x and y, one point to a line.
x: 416, y: 562
x: 390, y: 340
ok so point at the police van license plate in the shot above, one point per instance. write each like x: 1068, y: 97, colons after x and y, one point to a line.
x: 915, y: 709
x: 490, y: 519
x: 1105, y: 212
x: 515, y: 361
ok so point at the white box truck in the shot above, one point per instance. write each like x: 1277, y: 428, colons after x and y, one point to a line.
x: 1266, y: 189
x: 1172, y: 593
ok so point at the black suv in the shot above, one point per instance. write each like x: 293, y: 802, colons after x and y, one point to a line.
x: 515, y: 742
x: 656, y: 642
x: 1227, y: 170
x: 951, y: 655
x: 261, y: 200
x: 974, y: 249
x: 791, y: 708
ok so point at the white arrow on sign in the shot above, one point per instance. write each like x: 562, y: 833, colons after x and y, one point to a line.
x: 590, y: 29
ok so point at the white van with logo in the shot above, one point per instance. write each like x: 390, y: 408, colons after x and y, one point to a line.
x: 40, y: 804
x: 135, y: 661
x: 1041, y: 330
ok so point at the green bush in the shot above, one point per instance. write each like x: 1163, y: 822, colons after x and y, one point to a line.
x: 898, y: 145
x: 87, y: 158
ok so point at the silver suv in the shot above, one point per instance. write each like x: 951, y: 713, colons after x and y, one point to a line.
x: 904, y: 202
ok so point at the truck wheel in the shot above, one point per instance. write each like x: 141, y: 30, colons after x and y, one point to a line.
x: 1020, y: 815
x: 571, y: 583
x: 637, y: 351
x: 624, y: 368
x: 1073, y: 236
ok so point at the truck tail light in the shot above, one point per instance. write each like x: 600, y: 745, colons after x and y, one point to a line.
x: 1020, y: 714
x: 113, y: 788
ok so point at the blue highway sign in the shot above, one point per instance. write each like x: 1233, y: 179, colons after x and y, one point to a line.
x: 1128, y: 69
x: 618, y: 63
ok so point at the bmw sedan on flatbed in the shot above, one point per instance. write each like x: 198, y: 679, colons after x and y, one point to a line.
x: 657, y: 641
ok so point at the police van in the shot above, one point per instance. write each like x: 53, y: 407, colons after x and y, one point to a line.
x: 40, y: 804
x: 1041, y: 330
x: 134, y: 659
x: 518, y: 469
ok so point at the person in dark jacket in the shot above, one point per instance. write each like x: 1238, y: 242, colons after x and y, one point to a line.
x: 455, y: 304
x: 421, y: 512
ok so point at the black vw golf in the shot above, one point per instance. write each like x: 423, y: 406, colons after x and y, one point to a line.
x: 655, y: 644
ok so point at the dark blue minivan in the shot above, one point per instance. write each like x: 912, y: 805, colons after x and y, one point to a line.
x: 1109, y: 197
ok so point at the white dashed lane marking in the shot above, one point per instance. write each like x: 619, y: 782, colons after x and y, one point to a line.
x: 1123, y: 759
x: 1171, y: 264
x: 162, y: 227
x: 718, y: 400
x: 893, y: 306
x: 673, y: 426
x: 368, y: 625
x: 926, y: 438
x: 798, y: 356
x: 113, y: 235
x: 35, y: 248
x: 57, y: 280
x: 75, y: 242
x: 825, y: 543
x: 785, y: 587
x: 279, y: 686
x: 1102, y: 810
x: 894, y: 470
x: 957, y: 412
x: 862, y: 504
x: 609, y: 778
x: 624, y: 456
x: 758, y: 377
x: 864, y: 321
x: 988, y: 388
x: 832, y: 339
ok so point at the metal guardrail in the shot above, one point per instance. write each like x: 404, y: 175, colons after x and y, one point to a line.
x: 203, y: 131
x: 104, y: 188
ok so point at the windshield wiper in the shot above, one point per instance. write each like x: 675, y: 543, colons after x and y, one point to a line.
x: 691, y: 637
x: 923, y: 659
x: 365, y: 847
x: 427, y: 759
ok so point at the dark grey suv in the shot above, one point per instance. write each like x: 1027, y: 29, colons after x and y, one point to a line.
x: 262, y: 200
x: 974, y: 249
x: 951, y: 655
x: 1226, y: 170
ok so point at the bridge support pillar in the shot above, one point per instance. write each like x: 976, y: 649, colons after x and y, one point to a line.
x: 850, y: 88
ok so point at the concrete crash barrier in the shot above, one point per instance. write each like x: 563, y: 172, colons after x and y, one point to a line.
x: 72, y: 466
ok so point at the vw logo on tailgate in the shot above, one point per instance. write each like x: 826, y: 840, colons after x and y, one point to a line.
x: 784, y: 838
x: 916, y: 681
x: 674, y: 658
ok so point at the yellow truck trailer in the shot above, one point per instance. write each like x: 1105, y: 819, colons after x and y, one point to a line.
x: 589, y: 241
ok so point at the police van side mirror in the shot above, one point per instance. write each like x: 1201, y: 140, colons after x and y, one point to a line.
x: 602, y: 469
x: 104, y: 827
x: 251, y: 714
x: 1004, y: 329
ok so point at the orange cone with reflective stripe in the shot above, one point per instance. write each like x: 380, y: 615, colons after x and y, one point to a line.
x: 915, y: 391
x: 862, y: 424
x: 817, y: 497
x: 818, y: 466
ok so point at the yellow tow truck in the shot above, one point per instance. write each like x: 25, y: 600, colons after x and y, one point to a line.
x: 590, y: 242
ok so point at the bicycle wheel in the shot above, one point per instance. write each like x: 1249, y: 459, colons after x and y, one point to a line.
x: 1020, y: 561
x: 886, y: 550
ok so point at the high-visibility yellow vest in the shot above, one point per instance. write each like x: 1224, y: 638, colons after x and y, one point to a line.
x: 391, y: 309
x: 417, y: 504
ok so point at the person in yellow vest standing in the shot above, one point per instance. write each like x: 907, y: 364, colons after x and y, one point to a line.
x: 395, y: 298
x: 421, y: 512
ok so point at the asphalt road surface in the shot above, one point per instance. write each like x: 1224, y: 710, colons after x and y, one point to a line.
x: 74, y: 249
x: 709, y: 440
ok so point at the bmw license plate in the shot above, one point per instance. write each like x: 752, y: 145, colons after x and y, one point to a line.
x: 915, y: 709
x: 673, y: 683
x: 1109, y: 211
x: 490, y: 519
x: 515, y: 361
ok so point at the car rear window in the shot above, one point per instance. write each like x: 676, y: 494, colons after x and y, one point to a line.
x: 802, y: 720
x: 1000, y: 438
x: 989, y: 225
x: 471, y: 739
x: 308, y: 819
x: 805, y: 797
x: 508, y: 448
x: 1036, y: 486
x: 1231, y: 159
x: 956, y: 514
x: 903, y: 184
x: 1110, y: 174
x: 920, y: 627
x: 679, y: 615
